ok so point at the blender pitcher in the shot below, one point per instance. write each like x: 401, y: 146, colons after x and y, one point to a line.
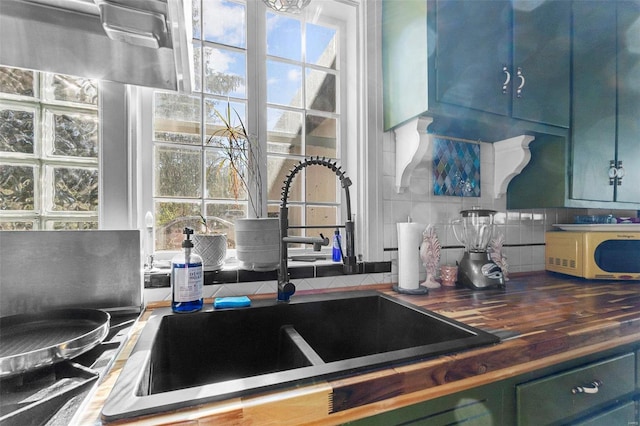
x: 476, y: 270
x: 474, y: 229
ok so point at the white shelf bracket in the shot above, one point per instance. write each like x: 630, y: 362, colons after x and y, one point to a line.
x: 412, y: 142
x: 510, y: 157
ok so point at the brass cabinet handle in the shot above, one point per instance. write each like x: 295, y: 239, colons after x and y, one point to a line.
x: 505, y: 85
x: 520, y: 75
x: 592, y: 388
x: 613, y: 172
x: 616, y: 173
x: 620, y: 172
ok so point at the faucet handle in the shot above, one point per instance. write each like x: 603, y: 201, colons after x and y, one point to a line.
x: 286, y: 291
x: 325, y: 242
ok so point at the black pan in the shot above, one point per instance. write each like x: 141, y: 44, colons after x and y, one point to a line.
x: 30, y: 341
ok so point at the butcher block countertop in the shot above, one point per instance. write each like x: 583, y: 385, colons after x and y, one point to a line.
x: 543, y: 318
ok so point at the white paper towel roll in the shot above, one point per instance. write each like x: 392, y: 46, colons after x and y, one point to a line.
x: 409, y: 240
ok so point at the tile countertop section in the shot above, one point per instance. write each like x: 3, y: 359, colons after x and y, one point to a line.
x: 307, y: 276
x: 550, y: 319
x: 161, y: 277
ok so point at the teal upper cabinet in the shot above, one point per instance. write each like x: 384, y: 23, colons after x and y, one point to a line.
x: 628, y: 137
x: 600, y: 166
x: 473, y: 46
x: 605, y: 129
x: 506, y: 58
x: 405, y: 50
x: 492, y: 67
x: 540, y: 71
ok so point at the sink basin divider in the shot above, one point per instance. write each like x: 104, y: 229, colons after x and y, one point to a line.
x: 182, y: 360
x: 301, y: 344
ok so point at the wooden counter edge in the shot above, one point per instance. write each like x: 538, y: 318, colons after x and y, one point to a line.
x: 312, y: 404
x: 472, y: 382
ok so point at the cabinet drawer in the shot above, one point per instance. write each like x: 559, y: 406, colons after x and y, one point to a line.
x: 559, y: 396
x: 620, y: 415
x: 637, y: 369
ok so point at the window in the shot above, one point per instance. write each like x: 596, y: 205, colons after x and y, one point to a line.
x: 49, y: 142
x: 279, y: 75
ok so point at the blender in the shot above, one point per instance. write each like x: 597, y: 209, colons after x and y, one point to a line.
x: 476, y: 270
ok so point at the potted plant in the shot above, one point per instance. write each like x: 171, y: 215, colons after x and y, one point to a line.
x: 211, y: 245
x: 257, y: 238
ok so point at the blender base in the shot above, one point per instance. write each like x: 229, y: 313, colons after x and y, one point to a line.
x: 477, y: 271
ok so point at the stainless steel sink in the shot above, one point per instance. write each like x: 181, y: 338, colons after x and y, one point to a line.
x: 187, y: 359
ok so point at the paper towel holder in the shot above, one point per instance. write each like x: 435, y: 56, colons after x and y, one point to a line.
x: 415, y: 291
x: 404, y: 278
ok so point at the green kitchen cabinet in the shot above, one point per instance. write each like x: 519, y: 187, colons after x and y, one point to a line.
x: 637, y: 370
x: 480, y: 406
x: 456, y: 61
x: 507, y: 58
x: 605, y: 131
x: 595, y: 390
x: 624, y: 414
x: 628, y: 136
x: 562, y: 393
x: 405, y: 69
x: 473, y: 46
x: 598, y: 166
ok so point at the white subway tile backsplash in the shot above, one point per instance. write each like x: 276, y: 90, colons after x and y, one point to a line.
x: 390, y: 235
x: 420, y: 213
x: 513, y: 217
x: 500, y: 218
x: 523, y: 230
x: 526, y: 232
x: 269, y: 287
x: 512, y: 234
x: 402, y: 209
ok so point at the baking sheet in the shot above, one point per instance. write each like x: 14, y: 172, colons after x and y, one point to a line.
x: 30, y: 341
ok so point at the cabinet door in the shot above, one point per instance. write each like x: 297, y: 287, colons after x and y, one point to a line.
x: 541, y: 61
x: 560, y: 397
x: 404, y: 60
x: 629, y: 100
x: 473, y: 45
x: 622, y: 415
x: 478, y: 406
x: 593, y: 99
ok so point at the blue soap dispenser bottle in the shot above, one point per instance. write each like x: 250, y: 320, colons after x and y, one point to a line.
x: 336, y: 254
x: 186, y: 278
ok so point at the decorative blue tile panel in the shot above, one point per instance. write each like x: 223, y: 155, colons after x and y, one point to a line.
x: 456, y: 168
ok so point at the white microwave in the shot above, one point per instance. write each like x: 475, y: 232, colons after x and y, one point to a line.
x: 594, y: 255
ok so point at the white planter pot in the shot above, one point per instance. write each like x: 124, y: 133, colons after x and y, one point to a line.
x: 258, y: 243
x: 212, y: 249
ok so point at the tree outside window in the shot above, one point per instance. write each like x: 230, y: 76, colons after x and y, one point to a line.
x: 294, y: 107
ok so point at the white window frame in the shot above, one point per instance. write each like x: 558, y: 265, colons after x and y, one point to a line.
x: 352, y: 89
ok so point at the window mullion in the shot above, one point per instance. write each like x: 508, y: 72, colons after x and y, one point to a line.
x: 257, y: 90
x: 203, y: 151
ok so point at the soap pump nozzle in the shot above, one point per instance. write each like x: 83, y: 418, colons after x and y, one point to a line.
x: 187, y: 243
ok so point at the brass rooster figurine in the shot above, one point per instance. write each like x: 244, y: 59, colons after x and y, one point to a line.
x: 430, y: 255
x: 497, y: 255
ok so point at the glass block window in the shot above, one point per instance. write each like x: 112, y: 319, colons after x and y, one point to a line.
x: 49, y: 144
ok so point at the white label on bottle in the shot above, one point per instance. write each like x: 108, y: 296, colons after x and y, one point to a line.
x: 187, y: 281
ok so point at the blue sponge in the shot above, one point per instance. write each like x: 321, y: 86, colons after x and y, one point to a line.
x: 231, y: 302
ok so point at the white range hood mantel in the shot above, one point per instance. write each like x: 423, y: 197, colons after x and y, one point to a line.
x: 413, y: 142
x: 144, y: 43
